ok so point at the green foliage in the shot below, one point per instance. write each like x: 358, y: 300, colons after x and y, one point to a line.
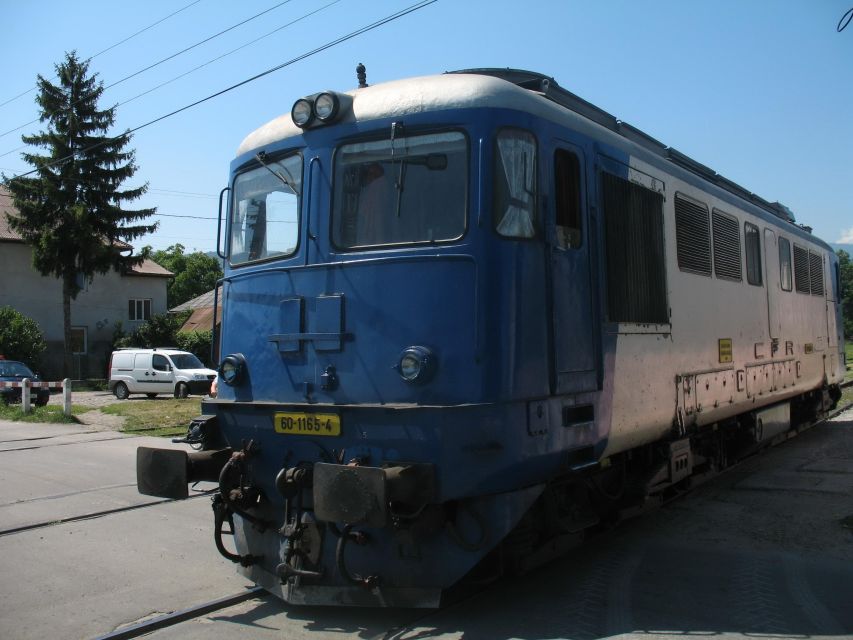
x: 160, y: 331
x: 195, y: 273
x: 71, y: 210
x: 845, y: 267
x: 197, y: 342
x: 20, y: 337
x: 161, y: 417
x: 49, y: 413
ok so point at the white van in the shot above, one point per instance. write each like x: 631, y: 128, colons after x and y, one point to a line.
x: 153, y: 371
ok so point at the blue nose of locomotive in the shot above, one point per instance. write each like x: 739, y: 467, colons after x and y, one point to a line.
x: 382, y: 331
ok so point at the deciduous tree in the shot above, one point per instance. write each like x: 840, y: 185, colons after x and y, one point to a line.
x: 195, y: 273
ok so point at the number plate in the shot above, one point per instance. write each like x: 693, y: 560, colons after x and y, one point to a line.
x: 308, y: 424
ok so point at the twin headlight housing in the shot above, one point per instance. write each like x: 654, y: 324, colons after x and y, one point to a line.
x: 325, y: 107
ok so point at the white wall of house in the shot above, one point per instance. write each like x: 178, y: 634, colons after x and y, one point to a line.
x: 96, y: 310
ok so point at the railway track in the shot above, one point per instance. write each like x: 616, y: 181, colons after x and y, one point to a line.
x: 182, y: 615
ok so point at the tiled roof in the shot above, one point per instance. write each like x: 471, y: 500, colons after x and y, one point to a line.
x: 205, y: 300
x: 202, y: 319
x: 150, y: 268
x: 6, y: 206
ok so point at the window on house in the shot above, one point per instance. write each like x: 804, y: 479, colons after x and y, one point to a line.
x: 567, y: 199
x: 726, y: 246
x: 752, y: 240
x: 692, y: 235
x: 785, y: 266
x: 633, y: 232
x: 139, y: 309
x: 78, y: 340
x: 515, y: 184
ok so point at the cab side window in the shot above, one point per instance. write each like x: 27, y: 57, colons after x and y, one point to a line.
x: 567, y: 199
x: 752, y: 240
x: 160, y: 363
x: 515, y: 184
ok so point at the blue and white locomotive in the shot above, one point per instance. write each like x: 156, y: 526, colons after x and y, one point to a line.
x: 468, y: 318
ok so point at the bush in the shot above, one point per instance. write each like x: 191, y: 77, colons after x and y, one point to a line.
x: 160, y: 331
x: 197, y: 342
x: 20, y: 337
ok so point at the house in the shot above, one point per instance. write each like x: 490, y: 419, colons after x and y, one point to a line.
x: 129, y: 298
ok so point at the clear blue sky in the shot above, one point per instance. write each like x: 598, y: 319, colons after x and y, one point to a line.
x: 758, y: 90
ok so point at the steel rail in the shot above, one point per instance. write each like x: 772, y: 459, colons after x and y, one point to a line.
x: 182, y: 615
x: 98, y: 514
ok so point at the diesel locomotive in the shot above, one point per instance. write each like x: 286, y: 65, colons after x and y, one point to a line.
x: 469, y: 318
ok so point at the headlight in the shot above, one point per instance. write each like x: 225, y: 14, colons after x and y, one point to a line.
x: 326, y: 106
x: 302, y: 113
x: 416, y: 364
x: 232, y: 369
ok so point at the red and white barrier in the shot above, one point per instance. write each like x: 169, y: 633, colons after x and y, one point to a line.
x: 26, y: 384
x: 32, y: 385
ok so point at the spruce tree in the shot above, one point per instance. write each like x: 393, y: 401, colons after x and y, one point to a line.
x: 71, y: 210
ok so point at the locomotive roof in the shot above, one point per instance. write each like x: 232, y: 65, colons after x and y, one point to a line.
x: 525, y: 91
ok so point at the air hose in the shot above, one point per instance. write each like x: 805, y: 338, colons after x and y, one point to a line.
x: 359, y: 537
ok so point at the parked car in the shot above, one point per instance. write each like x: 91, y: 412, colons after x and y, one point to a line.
x: 14, y: 371
x: 155, y: 371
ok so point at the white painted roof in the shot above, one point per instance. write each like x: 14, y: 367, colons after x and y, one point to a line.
x: 418, y: 95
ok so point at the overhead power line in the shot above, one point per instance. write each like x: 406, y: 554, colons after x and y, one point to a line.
x: 113, y: 46
x: 224, y: 55
x: 150, y: 66
x: 353, y: 34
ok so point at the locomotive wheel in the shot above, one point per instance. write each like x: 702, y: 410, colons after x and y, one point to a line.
x: 182, y: 390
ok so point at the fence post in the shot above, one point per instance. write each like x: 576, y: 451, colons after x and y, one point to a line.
x: 66, y: 396
x: 25, y: 395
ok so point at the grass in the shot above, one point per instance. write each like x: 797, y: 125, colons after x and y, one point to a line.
x: 848, y: 350
x: 49, y: 413
x: 165, y: 417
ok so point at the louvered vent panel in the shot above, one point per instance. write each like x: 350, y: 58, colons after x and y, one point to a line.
x: 816, y: 273
x: 726, y: 247
x: 633, y: 228
x: 801, y: 270
x: 693, y: 236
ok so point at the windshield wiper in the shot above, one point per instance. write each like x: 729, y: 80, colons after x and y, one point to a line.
x: 289, y: 181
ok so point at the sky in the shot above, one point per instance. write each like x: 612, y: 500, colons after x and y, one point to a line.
x: 758, y: 90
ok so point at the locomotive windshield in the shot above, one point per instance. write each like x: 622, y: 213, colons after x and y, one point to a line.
x: 265, y: 211
x: 408, y: 190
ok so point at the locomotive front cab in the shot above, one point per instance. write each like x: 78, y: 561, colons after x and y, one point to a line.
x: 386, y: 375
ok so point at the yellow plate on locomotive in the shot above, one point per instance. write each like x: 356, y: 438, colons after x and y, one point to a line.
x: 308, y: 424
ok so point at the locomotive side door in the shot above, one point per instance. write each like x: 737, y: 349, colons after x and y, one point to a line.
x: 568, y: 235
x: 772, y: 277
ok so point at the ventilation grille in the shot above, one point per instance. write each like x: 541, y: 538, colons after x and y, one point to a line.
x: 726, y: 247
x: 636, y: 276
x: 816, y: 273
x: 693, y: 236
x: 801, y: 269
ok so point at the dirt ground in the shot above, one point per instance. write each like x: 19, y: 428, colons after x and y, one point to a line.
x: 94, y: 419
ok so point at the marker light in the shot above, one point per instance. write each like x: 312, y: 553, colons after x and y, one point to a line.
x: 416, y: 365
x: 232, y: 369
x: 326, y: 106
x: 302, y: 113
